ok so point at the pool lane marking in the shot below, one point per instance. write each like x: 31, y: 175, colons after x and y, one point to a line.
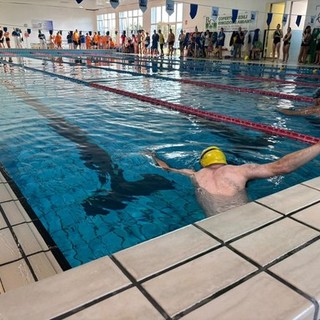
x: 208, y: 115
x: 221, y: 86
x: 218, y: 86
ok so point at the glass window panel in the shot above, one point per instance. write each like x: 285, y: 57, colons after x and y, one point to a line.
x: 179, y: 12
x: 129, y: 13
x: 159, y: 18
x: 153, y: 15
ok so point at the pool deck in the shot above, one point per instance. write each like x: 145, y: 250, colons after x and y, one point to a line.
x: 258, y: 261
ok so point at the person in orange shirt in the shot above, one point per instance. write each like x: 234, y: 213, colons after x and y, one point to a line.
x: 103, y: 41
x: 95, y: 40
x: 88, y: 41
x: 58, y: 40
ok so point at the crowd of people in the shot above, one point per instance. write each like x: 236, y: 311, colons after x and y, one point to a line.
x: 190, y: 44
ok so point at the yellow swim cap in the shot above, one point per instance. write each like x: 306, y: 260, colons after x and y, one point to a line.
x: 212, y: 155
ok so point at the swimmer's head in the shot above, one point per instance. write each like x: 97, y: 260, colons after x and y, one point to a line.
x: 212, y: 155
x: 316, y: 94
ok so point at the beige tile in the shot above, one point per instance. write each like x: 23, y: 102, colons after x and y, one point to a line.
x: 63, y: 292
x: 192, y: 282
x: 9, y: 248
x: 314, y: 183
x: 260, y: 298
x: 291, y: 199
x: 15, y: 212
x: 3, y: 224
x: 1, y: 289
x: 42, y: 266
x: 56, y: 266
x: 128, y: 305
x: 272, y: 242
x: 302, y: 269
x: 15, y: 275
x: 238, y: 221
x: 6, y: 194
x: 29, y: 238
x: 2, y: 178
x: 160, y: 253
x: 310, y: 216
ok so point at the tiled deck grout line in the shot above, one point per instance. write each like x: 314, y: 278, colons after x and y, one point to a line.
x: 24, y: 256
x: 91, y: 303
x: 313, y: 300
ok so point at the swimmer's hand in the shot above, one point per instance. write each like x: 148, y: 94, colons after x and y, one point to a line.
x: 159, y: 162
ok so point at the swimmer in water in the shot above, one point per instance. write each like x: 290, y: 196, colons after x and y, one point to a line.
x: 311, y: 110
x: 221, y: 186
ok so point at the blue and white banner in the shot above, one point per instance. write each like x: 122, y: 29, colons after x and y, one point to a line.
x: 114, y: 3
x: 169, y: 7
x: 253, y: 15
x: 214, y: 13
x: 284, y: 19
x: 143, y: 5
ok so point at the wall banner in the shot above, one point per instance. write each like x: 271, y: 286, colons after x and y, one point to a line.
x: 143, y: 5
x: 114, y: 3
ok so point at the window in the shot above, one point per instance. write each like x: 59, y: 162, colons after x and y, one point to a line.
x: 107, y: 22
x: 130, y: 21
x: 161, y: 20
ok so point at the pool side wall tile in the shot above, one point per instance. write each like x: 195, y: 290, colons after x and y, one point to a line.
x: 63, y: 292
x: 291, y: 199
x: 194, y: 281
x: 163, y: 252
x: 274, y: 241
x: 130, y: 304
x: 238, y: 221
x: 6, y: 193
x: 42, y: 266
x: 260, y: 298
x: 15, y: 212
x: 29, y: 238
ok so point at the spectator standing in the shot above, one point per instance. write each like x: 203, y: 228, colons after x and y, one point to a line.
x: 305, y: 45
x: 154, y: 45
x: 7, y: 37
x: 171, y: 40
x: 237, y: 43
x: 277, y: 35
x: 1, y: 38
x: 286, y: 45
x: 161, y: 42
x: 42, y: 39
x: 220, y: 42
x: 69, y: 39
x: 181, y: 39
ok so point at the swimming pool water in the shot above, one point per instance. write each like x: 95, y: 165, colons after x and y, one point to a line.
x: 78, y: 154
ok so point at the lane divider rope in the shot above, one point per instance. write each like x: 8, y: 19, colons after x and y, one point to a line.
x: 208, y: 115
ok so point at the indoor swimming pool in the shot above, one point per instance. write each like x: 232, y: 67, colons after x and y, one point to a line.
x: 79, y: 154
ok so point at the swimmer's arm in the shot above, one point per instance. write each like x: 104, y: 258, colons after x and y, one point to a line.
x: 300, y: 112
x: 165, y: 166
x: 284, y: 165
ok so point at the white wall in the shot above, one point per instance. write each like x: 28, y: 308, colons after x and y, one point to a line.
x: 63, y: 19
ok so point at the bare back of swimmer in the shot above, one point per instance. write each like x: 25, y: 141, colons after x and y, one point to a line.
x: 220, y: 186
